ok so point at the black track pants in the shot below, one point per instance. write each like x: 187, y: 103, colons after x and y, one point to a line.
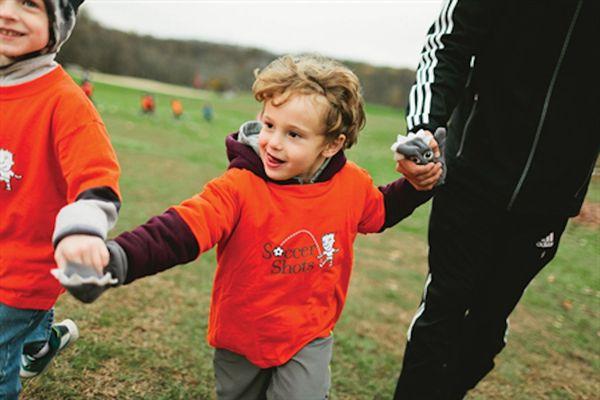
x: 480, y: 262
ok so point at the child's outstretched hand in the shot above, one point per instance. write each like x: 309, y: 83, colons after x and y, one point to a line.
x: 82, y: 249
x: 84, y: 281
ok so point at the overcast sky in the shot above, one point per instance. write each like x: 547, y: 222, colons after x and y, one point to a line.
x: 380, y: 32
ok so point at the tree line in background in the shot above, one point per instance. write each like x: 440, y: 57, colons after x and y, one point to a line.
x: 202, y: 64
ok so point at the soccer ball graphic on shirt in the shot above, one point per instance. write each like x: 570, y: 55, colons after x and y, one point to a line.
x: 325, y: 255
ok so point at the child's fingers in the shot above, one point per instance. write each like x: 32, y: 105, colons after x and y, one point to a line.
x: 436, y: 170
x: 412, y: 170
x: 80, y: 254
x: 430, y: 182
x: 428, y: 172
x: 95, y: 260
x: 68, y: 253
x: 91, y: 257
x: 87, y: 258
x: 60, y: 260
x: 422, y: 177
x: 104, y: 256
x: 100, y: 258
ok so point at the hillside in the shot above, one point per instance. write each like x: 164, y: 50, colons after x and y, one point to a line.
x: 221, y: 67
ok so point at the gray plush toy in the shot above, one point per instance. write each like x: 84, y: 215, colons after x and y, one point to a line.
x: 415, y: 147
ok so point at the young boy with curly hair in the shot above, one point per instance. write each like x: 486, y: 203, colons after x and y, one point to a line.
x: 58, y: 188
x: 284, y: 218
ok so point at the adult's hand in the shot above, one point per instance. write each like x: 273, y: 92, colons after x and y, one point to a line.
x: 422, y: 177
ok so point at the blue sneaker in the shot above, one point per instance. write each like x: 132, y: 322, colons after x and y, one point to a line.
x: 62, y: 334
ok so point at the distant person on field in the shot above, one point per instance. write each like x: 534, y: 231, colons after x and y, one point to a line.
x: 147, y: 104
x: 58, y: 184
x: 207, y: 112
x: 284, y: 218
x: 513, y: 82
x: 88, y: 88
x: 176, y: 108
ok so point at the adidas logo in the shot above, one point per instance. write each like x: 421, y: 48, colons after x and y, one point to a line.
x: 546, y: 242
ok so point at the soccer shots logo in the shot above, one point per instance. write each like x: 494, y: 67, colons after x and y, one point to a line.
x: 302, y: 258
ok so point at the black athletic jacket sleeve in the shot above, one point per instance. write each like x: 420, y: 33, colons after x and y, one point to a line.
x: 454, y: 38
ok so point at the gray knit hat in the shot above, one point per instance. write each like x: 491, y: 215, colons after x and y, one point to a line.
x: 61, y: 16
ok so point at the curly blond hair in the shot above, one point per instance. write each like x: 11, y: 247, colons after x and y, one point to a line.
x: 311, y: 74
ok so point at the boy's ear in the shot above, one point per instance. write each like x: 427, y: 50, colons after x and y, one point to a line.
x: 334, y: 146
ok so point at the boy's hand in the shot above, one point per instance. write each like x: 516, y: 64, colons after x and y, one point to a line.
x: 422, y: 177
x: 82, y: 249
x: 85, y: 283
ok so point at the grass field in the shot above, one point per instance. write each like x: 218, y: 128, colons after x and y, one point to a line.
x: 146, y: 341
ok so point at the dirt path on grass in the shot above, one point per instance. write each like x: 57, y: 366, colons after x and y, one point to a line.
x: 147, y: 85
x: 589, y: 215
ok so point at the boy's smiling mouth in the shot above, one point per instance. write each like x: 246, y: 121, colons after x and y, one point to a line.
x: 272, y: 161
x: 10, y: 32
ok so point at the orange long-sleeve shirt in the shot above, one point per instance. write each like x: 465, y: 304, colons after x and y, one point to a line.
x: 53, y: 146
x: 284, y: 250
x: 284, y: 257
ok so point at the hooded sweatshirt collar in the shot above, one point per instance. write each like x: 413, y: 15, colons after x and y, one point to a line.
x: 242, y: 152
x: 27, y: 70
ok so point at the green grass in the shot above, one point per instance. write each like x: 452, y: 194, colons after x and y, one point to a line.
x: 146, y: 341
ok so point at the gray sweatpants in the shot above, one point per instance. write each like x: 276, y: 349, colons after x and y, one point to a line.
x: 305, y: 377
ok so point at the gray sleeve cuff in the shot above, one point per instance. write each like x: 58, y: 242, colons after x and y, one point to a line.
x: 86, y: 217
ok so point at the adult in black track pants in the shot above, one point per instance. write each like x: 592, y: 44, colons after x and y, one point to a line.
x: 514, y: 83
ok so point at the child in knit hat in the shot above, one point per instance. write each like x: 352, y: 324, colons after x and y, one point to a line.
x: 58, y: 184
